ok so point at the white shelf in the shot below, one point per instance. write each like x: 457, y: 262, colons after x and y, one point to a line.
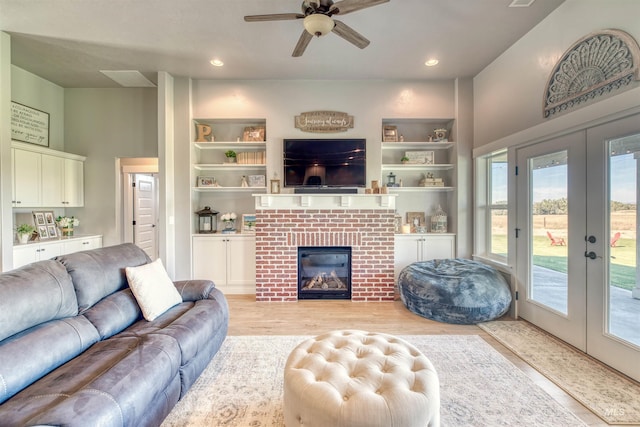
x: 227, y: 166
x: 415, y: 144
x: 224, y: 145
x: 419, y: 189
x: 228, y: 189
x: 399, y: 166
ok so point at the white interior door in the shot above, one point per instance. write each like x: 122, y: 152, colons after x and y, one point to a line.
x: 145, y: 214
x: 550, y: 244
x: 613, y: 322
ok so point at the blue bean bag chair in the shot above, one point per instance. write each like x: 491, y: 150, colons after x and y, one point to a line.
x: 457, y: 291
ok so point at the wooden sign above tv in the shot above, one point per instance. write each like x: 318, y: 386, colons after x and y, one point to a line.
x: 324, y: 121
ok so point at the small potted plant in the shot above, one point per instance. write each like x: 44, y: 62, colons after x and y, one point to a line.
x: 231, y: 156
x: 404, y: 160
x: 24, y: 232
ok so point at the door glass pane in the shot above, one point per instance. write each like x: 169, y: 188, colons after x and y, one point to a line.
x: 549, y: 230
x: 623, y: 302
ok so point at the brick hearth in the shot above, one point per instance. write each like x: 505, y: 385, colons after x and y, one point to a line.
x: 369, y: 233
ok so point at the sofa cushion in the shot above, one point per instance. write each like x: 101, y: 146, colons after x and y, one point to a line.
x: 100, y: 272
x: 152, y: 288
x: 113, y: 383
x: 34, y: 294
x: 114, y: 313
x: 27, y: 356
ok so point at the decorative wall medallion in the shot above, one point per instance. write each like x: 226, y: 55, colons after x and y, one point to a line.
x: 324, y: 121
x: 594, y: 66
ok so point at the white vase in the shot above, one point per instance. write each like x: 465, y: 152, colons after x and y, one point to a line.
x: 24, y: 238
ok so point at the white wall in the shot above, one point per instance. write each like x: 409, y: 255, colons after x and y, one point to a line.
x: 36, y: 92
x: 369, y: 101
x: 508, y: 94
x: 105, y: 124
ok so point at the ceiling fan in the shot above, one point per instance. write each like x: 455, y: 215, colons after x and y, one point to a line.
x: 318, y: 20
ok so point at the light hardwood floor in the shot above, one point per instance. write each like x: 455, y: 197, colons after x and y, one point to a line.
x: 248, y: 317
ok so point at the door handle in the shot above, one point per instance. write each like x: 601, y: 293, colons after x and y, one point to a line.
x: 591, y: 255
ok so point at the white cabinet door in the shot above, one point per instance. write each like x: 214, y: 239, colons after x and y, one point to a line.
x: 82, y: 244
x: 209, y: 259
x: 241, y: 257
x: 228, y: 260
x: 407, y: 251
x: 439, y: 247
x: 26, y: 168
x: 50, y: 250
x: 52, y: 181
x: 23, y: 255
x: 410, y: 248
x: 73, y: 183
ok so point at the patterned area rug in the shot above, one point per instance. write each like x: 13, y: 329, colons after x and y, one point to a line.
x: 611, y: 396
x: 242, y: 386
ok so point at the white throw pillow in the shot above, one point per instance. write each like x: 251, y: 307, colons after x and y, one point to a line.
x: 152, y: 288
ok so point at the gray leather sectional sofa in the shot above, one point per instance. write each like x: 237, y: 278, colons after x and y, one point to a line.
x: 76, y: 351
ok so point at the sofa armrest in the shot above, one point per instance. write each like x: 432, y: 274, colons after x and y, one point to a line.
x: 194, y: 290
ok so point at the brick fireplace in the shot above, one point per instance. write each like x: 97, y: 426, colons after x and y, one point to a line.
x: 362, y: 222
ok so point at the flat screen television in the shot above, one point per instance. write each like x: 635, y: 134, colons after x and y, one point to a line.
x: 325, y: 162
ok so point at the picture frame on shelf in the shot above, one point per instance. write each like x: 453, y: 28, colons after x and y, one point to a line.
x: 415, y: 220
x: 38, y: 219
x: 49, y: 218
x: 257, y: 181
x: 52, y: 230
x: 42, y: 232
x: 420, y: 157
x: 248, y: 223
x: 254, y: 134
x: 397, y: 224
x: 389, y: 133
x: 275, y: 186
x: 206, y: 181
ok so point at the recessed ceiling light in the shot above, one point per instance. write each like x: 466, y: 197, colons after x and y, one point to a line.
x: 431, y: 62
x: 216, y: 62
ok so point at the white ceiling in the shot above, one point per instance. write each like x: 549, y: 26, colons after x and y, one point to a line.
x: 69, y: 41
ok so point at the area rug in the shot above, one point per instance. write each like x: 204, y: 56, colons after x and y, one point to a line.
x: 611, y: 396
x: 243, y: 386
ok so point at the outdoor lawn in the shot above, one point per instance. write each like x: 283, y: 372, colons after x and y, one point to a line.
x: 623, y: 258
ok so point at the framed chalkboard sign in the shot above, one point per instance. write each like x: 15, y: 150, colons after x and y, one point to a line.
x: 29, y: 125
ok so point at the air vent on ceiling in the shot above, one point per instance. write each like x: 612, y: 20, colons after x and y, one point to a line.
x: 521, y: 3
x: 128, y: 78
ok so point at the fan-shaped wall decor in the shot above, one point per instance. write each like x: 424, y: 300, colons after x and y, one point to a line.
x: 595, y: 65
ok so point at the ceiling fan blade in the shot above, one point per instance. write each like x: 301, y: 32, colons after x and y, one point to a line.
x: 273, y: 17
x: 350, y: 35
x: 347, y: 6
x: 302, y: 44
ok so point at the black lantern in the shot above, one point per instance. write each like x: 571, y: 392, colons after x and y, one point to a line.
x: 207, y: 220
x: 391, y: 180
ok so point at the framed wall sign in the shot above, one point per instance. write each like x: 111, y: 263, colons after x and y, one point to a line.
x: 275, y: 186
x: 29, y: 125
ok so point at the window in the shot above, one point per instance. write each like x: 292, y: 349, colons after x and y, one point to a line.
x: 492, y: 206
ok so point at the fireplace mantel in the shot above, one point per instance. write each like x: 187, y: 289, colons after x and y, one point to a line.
x: 325, y: 201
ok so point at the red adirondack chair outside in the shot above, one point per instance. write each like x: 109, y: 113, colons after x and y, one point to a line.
x: 614, y: 240
x: 556, y: 241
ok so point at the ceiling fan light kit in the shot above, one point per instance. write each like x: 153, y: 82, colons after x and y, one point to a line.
x: 317, y: 20
x: 318, y: 24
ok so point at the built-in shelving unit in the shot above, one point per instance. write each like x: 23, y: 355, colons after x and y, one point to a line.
x: 215, y: 181
x: 428, y: 179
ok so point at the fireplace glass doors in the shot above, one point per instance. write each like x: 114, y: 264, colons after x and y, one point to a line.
x: 324, y: 272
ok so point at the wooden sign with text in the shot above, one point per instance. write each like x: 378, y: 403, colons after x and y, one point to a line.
x: 324, y: 121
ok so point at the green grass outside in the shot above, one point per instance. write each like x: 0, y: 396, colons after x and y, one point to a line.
x: 622, y: 267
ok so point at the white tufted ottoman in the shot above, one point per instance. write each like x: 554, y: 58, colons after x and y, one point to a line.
x: 357, y: 379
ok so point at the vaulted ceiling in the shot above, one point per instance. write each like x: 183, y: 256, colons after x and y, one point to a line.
x: 69, y: 41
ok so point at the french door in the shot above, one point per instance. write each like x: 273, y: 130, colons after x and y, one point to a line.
x: 577, y: 254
